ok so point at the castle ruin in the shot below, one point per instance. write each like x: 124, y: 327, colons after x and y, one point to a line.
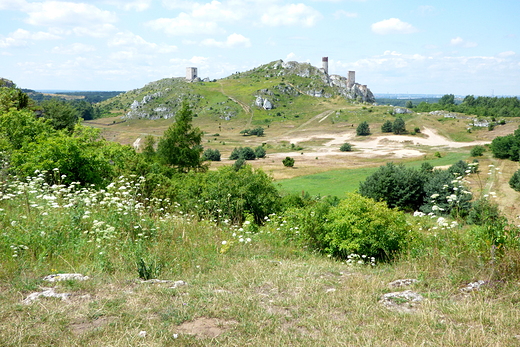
x: 191, y: 73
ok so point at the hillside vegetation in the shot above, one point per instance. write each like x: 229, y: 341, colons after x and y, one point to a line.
x: 164, y: 247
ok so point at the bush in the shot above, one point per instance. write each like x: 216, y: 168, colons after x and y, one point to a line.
x: 362, y: 226
x: 288, y: 162
x: 245, y: 153
x: 346, y: 147
x: 260, y: 152
x: 363, y: 129
x: 477, y: 151
x: 387, y: 127
x: 514, y: 182
x: 398, y: 127
x: 398, y: 185
x: 211, y: 154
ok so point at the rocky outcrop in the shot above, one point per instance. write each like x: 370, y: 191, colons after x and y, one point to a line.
x: 4, y: 82
x: 321, y: 84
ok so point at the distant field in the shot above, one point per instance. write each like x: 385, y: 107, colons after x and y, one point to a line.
x: 339, y: 182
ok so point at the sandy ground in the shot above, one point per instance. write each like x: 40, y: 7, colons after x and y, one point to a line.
x: 396, y: 146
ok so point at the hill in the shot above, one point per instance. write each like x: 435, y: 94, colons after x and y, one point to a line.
x: 270, y: 89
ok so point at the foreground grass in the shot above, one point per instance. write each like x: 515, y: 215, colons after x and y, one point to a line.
x: 244, y: 286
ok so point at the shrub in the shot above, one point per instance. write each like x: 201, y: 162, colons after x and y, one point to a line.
x: 363, y: 129
x: 288, y: 162
x: 477, y: 151
x: 211, y: 154
x: 245, y: 153
x: 362, y: 226
x: 387, y: 127
x: 514, y: 182
x: 346, y: 147
x: 397, y: 185
x: 260, y: 152
x: 398, y: 127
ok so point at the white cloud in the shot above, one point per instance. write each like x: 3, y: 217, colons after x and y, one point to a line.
x: 218, y: 11
x: 21, y: 37
x: 289, y: 15
x: 130, y: 40
x: 136, y: 5
x: 184, y: 24
x: 344, y: 14
x: 458, y: 41
x: 233, y: 40
x: 393, y: 26
x: 198, y: 60
x: 506, y: 54
x: 12, y: 4
x: 59, y: 13
x: 177, y: 4
x: 75, y: 48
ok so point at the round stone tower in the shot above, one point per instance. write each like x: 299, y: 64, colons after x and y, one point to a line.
x: 325, y: 64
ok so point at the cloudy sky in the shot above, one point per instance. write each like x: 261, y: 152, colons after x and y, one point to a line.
x: 400, y: 46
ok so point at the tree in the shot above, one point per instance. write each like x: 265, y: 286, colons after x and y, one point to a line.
x: 245, y: 153
x: 61, y: 114
x: 211, y: 154
x: 149, y: 147
x: 180, y: 145
x: 398, y: 185
x: 409, y: 104
x: 260, y: 152
x: 387, y: 127
x: 288, y: 162
x: 447, y: 99
x: 398, y: 127
x: 363, y: 129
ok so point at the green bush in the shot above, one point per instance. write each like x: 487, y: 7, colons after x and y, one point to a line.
x: 477, y: 151
x: 346, y: 147
x: 514, y: 182
x: 211, y: 154
x: 245, y: 153
x: 362, y: 226
x: 363, y: 129
x: 387, y: 127
x: 260, y: 152
x: 288, y: 162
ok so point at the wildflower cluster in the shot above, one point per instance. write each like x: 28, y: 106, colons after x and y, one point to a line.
x: 44, y: 219
x: 358, y: 260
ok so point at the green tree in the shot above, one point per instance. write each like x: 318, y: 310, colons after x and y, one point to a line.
x: 409, y: 104
x: 211, y: 154
x: 387, y: 127
x: 363, y: 129
x: 398, y: 127
x: 246, y: 153
x: 180, y: 145
x: 260, y: 152
x: 61, y: 114
x: 398, y: 185
x: 447, y: 99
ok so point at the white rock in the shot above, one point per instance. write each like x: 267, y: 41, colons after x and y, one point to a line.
x: 65, y: 277
x: 48, y: 293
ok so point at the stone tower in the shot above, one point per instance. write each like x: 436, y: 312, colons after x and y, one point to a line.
x: 191, y: 73
x: 325, y: 64
x: 351, y: 80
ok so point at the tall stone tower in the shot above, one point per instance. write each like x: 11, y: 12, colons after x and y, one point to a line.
x: 351, y: 80
x: 191, y: 73
x: 325, y: 64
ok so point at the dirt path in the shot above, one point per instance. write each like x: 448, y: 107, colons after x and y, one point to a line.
x: 245, y: 107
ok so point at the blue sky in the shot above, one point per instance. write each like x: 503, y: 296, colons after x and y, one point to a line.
x: 435, y: 47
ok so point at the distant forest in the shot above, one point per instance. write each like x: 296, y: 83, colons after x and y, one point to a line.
x: 92, y: 97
